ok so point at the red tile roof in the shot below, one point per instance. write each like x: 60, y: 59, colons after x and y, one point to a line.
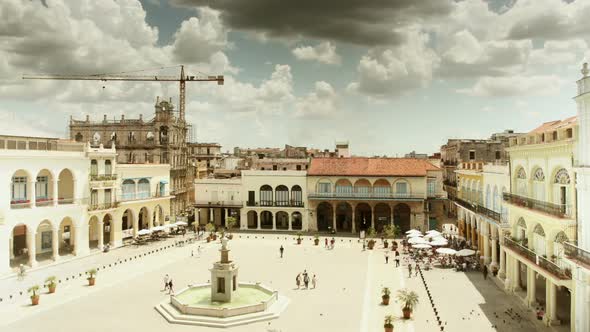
x: 370, y: 167
x: 554, y: 125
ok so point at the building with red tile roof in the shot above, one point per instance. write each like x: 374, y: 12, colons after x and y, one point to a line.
x: 370, y: 167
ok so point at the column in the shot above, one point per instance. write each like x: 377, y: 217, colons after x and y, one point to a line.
x: 353, y: 218
x: 290, y: 220
x: 515, y: 273
x: 473, y: 237
x: 551, y: 299
x: 32, y: 245
x: 502, y: 271
x: 100, y: 234
x: 486, y: 249
x: 11, y: 245
x: 55, y: 191
x: 494, y: 251
x: 373, y: 216
x: 391, y: 219
x: 274, y: 221
x: 198, y: 216
x: 55, y: 243
x: 243, y: 219
x: 226, y: 215
x: 334, y: 216
x: 258, y: 219
x: 33, y: 193
x: 81, y: 239
x: 531, y: 287
x: 135, y: 225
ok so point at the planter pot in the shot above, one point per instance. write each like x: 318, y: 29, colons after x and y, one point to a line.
x: 230, y: 236
x: 316, y: 241
x: 52, y: 289
x: 385, y: 299
x: 388, y: 328
x: 386, y: 244
x: 214, y: 237
x: 371, y: 244
x: 91, y: 281
x: 208, y: 239
x: 298, y: 241
x: 35, y: 300
x: 407, y: 313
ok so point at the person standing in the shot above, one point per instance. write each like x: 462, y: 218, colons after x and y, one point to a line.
x: 166, y: 279
x: 485, y: 272
x: 298, y: 280
x: 416, y: 268
x: 281, y: 250
x: 387, y: 257
x: 170, y: 287
x: 332, y: 242
x: 314, y: 281
x: 396, y: 258
x: 409, y: 269
x: 364, y: 245
x: 199, y: 251
x: 326, y: 243
x: 306, y: 280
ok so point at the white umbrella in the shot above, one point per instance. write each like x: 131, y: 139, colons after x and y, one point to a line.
x: 413, y: 231
x: 181, y: 223
x: 438, y: 243
x: 446, y: 251
x: 434, y: 232
x: 169, y: 226
x: 158, y: 228
x: 438, y: 239
x: 465, y: 252
x: 144, y: 232
x: 421, y: 246
x: 414, y: 235
x: 416, y: 240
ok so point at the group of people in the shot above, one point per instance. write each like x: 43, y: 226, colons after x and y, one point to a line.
x: 396, y: 255
x: 168, y: 286
x: 305, y: 278
x: 329, y: 244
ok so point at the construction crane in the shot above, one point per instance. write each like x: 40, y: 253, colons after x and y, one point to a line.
x: 182, y: 79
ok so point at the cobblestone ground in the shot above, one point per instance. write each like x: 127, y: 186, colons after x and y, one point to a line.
x: 347, y: 297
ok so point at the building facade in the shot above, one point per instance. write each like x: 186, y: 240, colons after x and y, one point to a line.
x: 65, y: 199
x: 204, y: 157
x: 160, y: 140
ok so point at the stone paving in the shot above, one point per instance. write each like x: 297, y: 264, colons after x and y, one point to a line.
x: 347, y: 297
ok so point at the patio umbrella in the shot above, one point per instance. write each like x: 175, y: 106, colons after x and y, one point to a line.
x: 416, y: 240
x: 169, y: 225
x: 446, y: 251
x: 438, y: 239
x: 413, y: 231
x: 181, y: 223
x: 433, y: 232
x: 465, y: 252
x: 158, y: 228
x: 414, y: 235
x: 421, y: 246
x: 438, y: 243
x: 144, y: 232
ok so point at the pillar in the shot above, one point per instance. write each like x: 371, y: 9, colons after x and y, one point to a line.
x: 258, y: 219
x: 373, y: 216
x: 473, y: 237
x: 55, y: 243
x: 290, y: 220
x: 33, y: 193
x: 198, y: 214
x: 551, y: 300
x: 353, y: 219
x: 486, y: 249
x: 55, y: 191
x: 226, y: 215
x: 31, y: 246
x: 531, y: 287
x: 11, y: 245
x: 81, y: 239
x: 274, y: 220
x: 502, y: 271
x: 100, y: 234
x: 494, y: 251
x: 135, y: 224
x: 334, y: 217
x: 391, y: 219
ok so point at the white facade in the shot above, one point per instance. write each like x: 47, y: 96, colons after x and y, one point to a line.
x: 217, y: 199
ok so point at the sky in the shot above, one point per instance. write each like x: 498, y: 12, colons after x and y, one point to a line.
x: 389, y: 76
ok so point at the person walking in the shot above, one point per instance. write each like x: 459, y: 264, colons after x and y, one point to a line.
x: 306, y: 280
x: 314, y: 281
x: 416, y: 270
x: 409, y: 269
x: 326, y: 243
x: 298, y: 280
x: 387, y: 257
x: 166, y: 279
x: 170, y: 287
x: 199, y: 251
x: 485, y: 272
x: 282, y: 250
x: 332, y: 242
x: 364, y: 245
x: 396, y: 258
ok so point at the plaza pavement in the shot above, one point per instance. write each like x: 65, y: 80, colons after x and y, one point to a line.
x: 347, y: 297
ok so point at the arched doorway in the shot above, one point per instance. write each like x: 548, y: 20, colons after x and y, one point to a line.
x: 296, y: 221
x: 44, y: 188
x: 44, y: 248
x: 401, y: 217
x: 282, y: 220
x: 19, y: 251
x: 344, y: 217
x: 252, y: 220
x: 158, y: 219
x: 66, y: 237
x: 363, y: 216
x: 93, y: 232
x: 143, y: 218
x: 65, y: 187
x: 382, y: 216
x: 324, y: 216
x: 127, y: 224
x: 266, y: 220
x: 108, y: 233
x: 143, y: 188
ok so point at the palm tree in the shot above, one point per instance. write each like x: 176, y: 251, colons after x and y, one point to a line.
x: 409, y: 300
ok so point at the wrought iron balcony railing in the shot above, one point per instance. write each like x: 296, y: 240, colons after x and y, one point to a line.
x: 365, y: 195
x: 102, y: 206
x: 531, y: 256
x: 276, y: 203
x: 576, y: 253
x: 103, y: 177
x: 558, y: 210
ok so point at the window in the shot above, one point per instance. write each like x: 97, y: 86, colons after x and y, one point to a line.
x: 472, y: 155
x: 498, y: 155
x: 284, y: 168
x: 282, y: 196
x: 93, y: 167
x: 107, y: 167
x: 431, y: 187
x: 298, y: 167
x: 555, y: 135
x: 19, y: 188
x: 143, y: 190
x: 128, y: 189
x: 221, y: 285
x: 274, y: 167
x: 324, y: 187
x: 94, y: 197
x: 266, y: 195
x: 41, y: 187
x: 107, y: 196
x: 401, y: 188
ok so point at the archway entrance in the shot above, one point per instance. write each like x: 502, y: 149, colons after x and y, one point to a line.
x: 296, y: 221
x: 143, y: 218
x: 66, y: 237
x: 93, y: 233
x: 65, y: 187
x: 564, y: 302
x: 108, y: 232
x: 266, y: 220
x: 252, y: 220
x: 127, y: 224
x: 324, y: 216
x: 401, y: 217
x: 158, y: 219
x: 382, y: 216
x: 19, y: 253
x: 282, y: 220
x: 363, y: 216
x: 344, y: 217
x: 44, y: 247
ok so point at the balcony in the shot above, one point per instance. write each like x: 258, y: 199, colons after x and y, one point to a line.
x: 542, y: 262
x: 135, y: 196
x: 293, y: 204
x: 103, y: 177
x: 577, y: 254
x: 103, y: 206
x: 558, y: 210
x: 365, y: 196
x: 218, y: 204
x: 40, y: 202
x: 20, y: 204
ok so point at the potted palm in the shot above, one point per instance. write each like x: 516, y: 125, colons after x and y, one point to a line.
x: 316, y: 240
x: 299, y: 239
x: 34, y: 294
x: 371, y: 234
x: 211, y: 229
x: 231, y: 222
x: 385, y: 292
x: 51, y: 284
x: 388, y: 325
x: 91, y: 277
x: 409, y: 300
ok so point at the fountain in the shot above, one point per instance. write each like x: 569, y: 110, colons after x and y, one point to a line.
x: 223, y: 302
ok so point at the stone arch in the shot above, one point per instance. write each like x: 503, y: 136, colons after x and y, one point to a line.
x: 93, y: 232
x: 402, y: 217
x: 344, y: 216
x: 266, y: 220
x: 296, y: 221
x: 143, y: 218
x: 282, y: 220
x: 296, y: 196
x: 382, y: 216
x: 143, y: 188
x: 79, y: 137
x: 382, y: 188
x: 65, y: 187
x: 158, y: 216
x: 128, y: 224
x: 282, y: 195
x: 66, y: 236
x: 324, y: 185
x: 108, y: 235
x: 128, y: 189
x: 539, y: 240
x: 343, y: 186
x: 20, y: 189
x: 324, y: 215
x: 561, y: 237
x: 362, y: 187
x: 402, y: 188
x: 252, y: 217
x: 44, y: 236
x: 19, y: 247
x: 561, y: 176
x: 539, y: 230
x: 44, y: 188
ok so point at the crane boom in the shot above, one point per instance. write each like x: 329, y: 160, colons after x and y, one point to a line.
x: 182, y: 79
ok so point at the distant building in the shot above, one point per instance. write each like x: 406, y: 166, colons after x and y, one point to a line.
x: 205, y: 157
x: 413, y: 154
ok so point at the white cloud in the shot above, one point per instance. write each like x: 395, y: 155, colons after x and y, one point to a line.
x: 200, y: 38
x: 514, y: 86
x: 559, y: 52
x: 322, y: 102
x: 393, y: 71
x: 324, y: 53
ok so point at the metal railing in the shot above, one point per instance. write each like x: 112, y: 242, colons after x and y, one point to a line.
x: 132, y: 196
x: 369, y: 195
x: 576, y: 253
x: 276, y: 204
x: 102, y: 206
x: 531, y: 256
x: 103, y: 177
x: 218, y: 203
x: 558, y: 210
